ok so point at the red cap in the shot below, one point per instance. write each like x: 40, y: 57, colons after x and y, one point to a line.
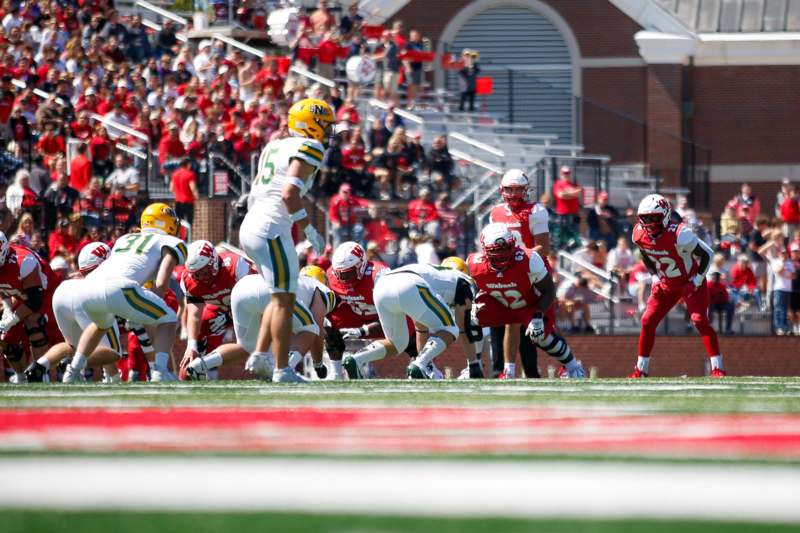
x: 345, y: 187
x: 794, y: 247
x: 603, y: 195
x: 566, y: 170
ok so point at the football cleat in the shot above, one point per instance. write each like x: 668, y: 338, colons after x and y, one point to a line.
x: 636, y: 374
x: 287, y: 375
x: 351, y: 367
x: 413, y: 371
x: 73, y: 375
x: 260, y: 365
x: 35, y: 373
x: 160, y: 375
x: 197, y: 370
x: 717, y: 373
x: 321, y: 371
x: 18, y: 378
x: 473, y: 371
x: 434, y: 372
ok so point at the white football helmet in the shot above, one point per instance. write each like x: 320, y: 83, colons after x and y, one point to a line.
x: 5, y: 247
x: 202, y: 261
x: 349, y: 262
x: 91, y: 256
x: 514, y: 187
x: 498, y: 244
x: 653, y: 213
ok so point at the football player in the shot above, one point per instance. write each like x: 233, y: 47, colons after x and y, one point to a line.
x: 516, y: 287
x: 72, y: 320
x: 672, y: 252
x: 207, y: 282
x: 249, y: 299
x: 286, y: 171
x: 352, y: 278
x: 27, y: 284
x: 528, y: 222
x: 426, y: 294
x: 115, y: 289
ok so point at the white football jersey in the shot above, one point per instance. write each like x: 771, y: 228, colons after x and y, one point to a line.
x: 306, y: 287
x: 137, y: 256
x: 442, y: 280
x: 266, y: 201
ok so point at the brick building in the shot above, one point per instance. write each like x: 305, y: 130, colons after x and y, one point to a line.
x: 655, y: 84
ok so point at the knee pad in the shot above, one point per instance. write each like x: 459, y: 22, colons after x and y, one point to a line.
x: 13, y: 352
x: 37, y: 333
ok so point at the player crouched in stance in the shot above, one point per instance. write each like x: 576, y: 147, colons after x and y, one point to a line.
x: 27, y: 284
x: 207, y: 283
x: 425, y: 294
x: 515, y: 287
x: 249, y: 298
x: 115, y: 288
x: 680, y: 260
x: 72, y: 320
x: 286, y: 171
x: 474, y: 333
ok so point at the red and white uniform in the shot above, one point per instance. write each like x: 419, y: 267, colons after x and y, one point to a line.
x: 216, y: 296
x: 355, y: 306
x: 509, y: 296
x: 671, y: 253
x: 21, y: 263
x: 529, y: 220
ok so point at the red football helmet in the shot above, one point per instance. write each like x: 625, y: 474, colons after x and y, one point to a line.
x: 498, y: 244
x: 653, y: 213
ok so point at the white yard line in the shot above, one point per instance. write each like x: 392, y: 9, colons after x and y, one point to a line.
x: 421, y: 487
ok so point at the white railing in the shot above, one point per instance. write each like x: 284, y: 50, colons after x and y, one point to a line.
x: 157, y: 27
x: 374, y: 102
x: 121, y: 127
x: 458, y: 154
x: 161, y: 12
x: 477, y: 144
x: 133, y: 151
x: 38, y: 92
x: 300, y: 71
x: 240, y: 45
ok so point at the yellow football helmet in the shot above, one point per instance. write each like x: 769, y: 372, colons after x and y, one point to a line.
x: 312, y: 118
x: 162, y: 217
x: 456, y: 263
x: 315, y: 272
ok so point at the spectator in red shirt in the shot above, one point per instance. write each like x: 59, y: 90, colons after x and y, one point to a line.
x: 92, y: 203
x: 348, y: 113
x: 88, y: 102
x: 80, y: 169
x: 81, y: 128
x: 327, y: 52
x: 184, y: 186
x: 117, y: 207
x: 720, y: 300
x: 790, y: 212
x: 62, y: 242
x: 170, y: 148
x: 743, y: 281
x: 567, y: 196
x: 746, y: 205
x: 423, y: 215
x: 50, y: 144
x: 100, y: 147
x: 345, y: 212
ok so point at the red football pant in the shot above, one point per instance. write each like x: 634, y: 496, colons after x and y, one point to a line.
x: 214, y: 323
x: 662, y: 300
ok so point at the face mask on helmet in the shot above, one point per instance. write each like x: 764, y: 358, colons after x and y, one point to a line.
x: 653, y: 223
x: 499, y: 254
x: 514, y: 195
x: 207, y: 273
x: 348, y: 276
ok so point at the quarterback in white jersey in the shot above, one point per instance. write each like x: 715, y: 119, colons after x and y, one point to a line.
x: 286, y: 171
x: 434, y: 297
x: 249, y: 299
x: 115, y: 287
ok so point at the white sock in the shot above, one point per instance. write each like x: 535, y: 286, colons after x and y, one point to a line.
x: 44, y: 362
x: 716, y: 362
x: 373, y: 352
x: 78, y: 361
x: 162, y: 360
x: 643, y: 364
x: 337, y: 367
x: 213, y: 360
x: 510, y: 369
x: 432, y: 348
x: 294, y: 358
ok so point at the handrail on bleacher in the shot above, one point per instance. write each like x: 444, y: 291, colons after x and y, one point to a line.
x: 157, y: 27
x: 38, y: 92
x: 161, y: 12
x: 300, y: 71
x: 121, y: 127
x: 477, y: 144
x: 599, y: 272
x: 240, y: 45
x: 374, y: 102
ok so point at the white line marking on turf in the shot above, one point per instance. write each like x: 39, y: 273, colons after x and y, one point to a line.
x: 422, y: 487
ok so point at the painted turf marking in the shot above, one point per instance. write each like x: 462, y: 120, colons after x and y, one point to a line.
x: 421, y: 487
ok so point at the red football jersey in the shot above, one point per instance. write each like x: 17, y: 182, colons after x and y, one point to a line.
x: 25, y: 259
x: 512, y: 287
x: 10, y: 277
x: 530, y: 219
x: 671, y: 252
x: 233, y: 267
x: 354, y: 305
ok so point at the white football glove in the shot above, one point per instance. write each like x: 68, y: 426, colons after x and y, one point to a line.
x: 8, y: 321
x: 260, y: 365
x: 352, y: 333
x: 317, y: 241
x: 535, y: 329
